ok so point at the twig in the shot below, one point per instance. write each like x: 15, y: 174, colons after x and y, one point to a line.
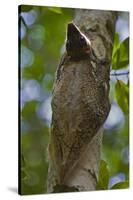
x: 119, y: 74
x: 23, y: 21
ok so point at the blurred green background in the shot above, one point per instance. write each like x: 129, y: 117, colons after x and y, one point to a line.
x: 42, y: 32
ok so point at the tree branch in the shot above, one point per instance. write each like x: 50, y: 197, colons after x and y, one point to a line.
x: 119, y: 74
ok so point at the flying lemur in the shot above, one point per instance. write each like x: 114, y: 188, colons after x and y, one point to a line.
x: 80, y: 102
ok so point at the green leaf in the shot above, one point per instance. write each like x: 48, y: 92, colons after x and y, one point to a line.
x: 120, y: 55
x: 121, y: 185
x: 103, y: 178
x: 116, y: 44
x: 122, y: 95
x: 123, y: 53
x: 115, y: 51
x: 55, y: 10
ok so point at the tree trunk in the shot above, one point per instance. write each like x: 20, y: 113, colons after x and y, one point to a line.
x: 99, y: 27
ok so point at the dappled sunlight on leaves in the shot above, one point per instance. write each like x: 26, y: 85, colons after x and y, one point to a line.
x: 27, y: 57
x: 43, y: 32
x: 36, y: 37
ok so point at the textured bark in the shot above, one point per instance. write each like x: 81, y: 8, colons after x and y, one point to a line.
x: 99, y: 27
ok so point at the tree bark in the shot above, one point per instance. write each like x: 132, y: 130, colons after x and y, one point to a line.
x: 99, y: 27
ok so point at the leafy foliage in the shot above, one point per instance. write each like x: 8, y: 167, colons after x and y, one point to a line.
x: 121, y: 185
x: 103, y: 179
x: 120, y: 55
x: 42, y: 35
x: 122, y: 95
x: 120, y: 60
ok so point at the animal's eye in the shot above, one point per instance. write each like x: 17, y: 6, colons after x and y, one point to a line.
x: 81, y: 38
x: 82, y: 41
